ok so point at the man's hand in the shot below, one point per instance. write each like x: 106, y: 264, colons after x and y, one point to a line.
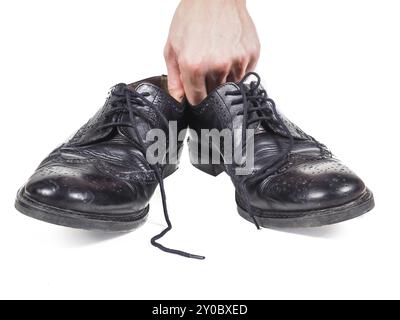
x: 210, y: 42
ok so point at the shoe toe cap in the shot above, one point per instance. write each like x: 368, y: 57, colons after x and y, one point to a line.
x: 81, y: 190
x: 316, y: 185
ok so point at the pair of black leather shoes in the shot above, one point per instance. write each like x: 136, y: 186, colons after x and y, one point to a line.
x: 101, y: 178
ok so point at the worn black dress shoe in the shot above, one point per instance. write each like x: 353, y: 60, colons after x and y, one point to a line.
x: 295, y: 180
x: 101, y: 179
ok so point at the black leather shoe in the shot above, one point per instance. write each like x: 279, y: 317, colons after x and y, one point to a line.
x: 295, y: 180
x: 100, y: 178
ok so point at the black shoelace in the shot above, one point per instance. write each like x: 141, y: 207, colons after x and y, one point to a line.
x: 127, y: 101
x: 262, y: 109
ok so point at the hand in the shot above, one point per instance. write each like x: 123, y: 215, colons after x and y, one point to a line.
x: 210, y: 42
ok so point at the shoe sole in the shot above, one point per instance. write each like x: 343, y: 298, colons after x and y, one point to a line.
x: 314, y: 218
x: 306, y: 219
x: 79, y: 220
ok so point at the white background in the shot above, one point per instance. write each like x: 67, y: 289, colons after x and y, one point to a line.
x: 332, y: 67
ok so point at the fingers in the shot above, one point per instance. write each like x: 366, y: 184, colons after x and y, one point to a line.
x: 194, y: 83
x: 217, y: 74
x: 197, y: 79
x: 175, y: 86
x: 243, y: 65
x: 185, y: 78
x: 254, y: 55
x: 238, y: 70
x: 252, y: 65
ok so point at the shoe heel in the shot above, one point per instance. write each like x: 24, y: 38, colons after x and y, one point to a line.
x: 205, y: 166
x: 211, y: 169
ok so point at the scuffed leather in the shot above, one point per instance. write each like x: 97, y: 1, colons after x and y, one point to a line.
x: 104, y: 172
x: 311, y: 179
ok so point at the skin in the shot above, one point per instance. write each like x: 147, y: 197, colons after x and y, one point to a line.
x: 210, y: 42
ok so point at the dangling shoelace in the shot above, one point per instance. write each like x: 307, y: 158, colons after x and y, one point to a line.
x: 128, y: 101
x: 262, y: 109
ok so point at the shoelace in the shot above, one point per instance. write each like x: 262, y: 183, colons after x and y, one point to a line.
x: 262, y: 108
x: 128, y: 101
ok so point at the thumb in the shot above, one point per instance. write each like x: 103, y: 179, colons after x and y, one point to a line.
x: 175, y: 86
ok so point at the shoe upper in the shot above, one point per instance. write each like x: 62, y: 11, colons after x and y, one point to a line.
x: 103, y: 168
x: 292, y: 171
